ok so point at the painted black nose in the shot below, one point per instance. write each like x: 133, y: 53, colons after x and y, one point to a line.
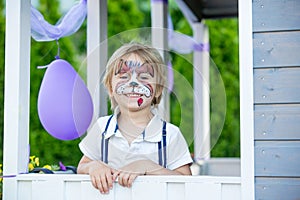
x: 133, y: 84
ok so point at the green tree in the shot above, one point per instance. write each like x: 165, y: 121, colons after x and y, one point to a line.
x: 224, y: 52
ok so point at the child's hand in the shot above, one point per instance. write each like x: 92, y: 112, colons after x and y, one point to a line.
x: 127, y: 174
x: 125, y: 178
x: 101, y: 176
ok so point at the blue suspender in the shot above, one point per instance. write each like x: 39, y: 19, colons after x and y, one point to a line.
x: 104, y: 143
x: 162, y: 152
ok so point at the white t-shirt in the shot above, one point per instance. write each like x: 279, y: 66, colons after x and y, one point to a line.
x: 145, y: 146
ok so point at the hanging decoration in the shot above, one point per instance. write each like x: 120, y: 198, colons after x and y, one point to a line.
x: 182, y: 43
x: 41, y: 30
x: 65, y: 106
x: 179, y: 43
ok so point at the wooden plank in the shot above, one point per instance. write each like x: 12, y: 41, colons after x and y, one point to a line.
x: 276, y: 49
x: 277, y: 188
x: 277, y: 85
x: 277, y: 158
x: 176, y: 191
x: 201, y: 72
x: 121, y: 192
x: 89, y: 192
x: 73, y: 190
x: 149, y: 191
x: 246, y: 99
x: 97, y: 54
x: 16, y: 93
x: 277, y: 122
x: 24, y: 190
x: 206, y: 190
x: 77, y: 187
x: 231, y: 192
x: 270, y: 15
x: 159, y: 40
x: 48, y: 190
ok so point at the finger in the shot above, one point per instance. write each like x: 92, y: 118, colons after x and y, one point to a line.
x: 98, y: 184
x: 104, y: 184
x: 120, y: 178
x: 115, y: 175
x: 109, y: 178
x: 124, y: 179
x: 93, y: 179
x: 132, y: 177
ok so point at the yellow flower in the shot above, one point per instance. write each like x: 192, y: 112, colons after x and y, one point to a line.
x: 37, y: 161
x: 30, y: 166
x: 47, y: 167
x: 31, y: 158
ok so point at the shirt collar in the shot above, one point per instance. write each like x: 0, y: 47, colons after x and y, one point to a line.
x: 152, y: 132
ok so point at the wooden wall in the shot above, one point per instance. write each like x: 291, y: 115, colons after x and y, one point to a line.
x: 276, y: 58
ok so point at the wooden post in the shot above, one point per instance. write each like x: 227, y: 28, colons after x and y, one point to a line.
x: 97, y: 54
x: 246, y: 99
x: 159, y: 34
x: 201, y: 94
x: 16, y: 94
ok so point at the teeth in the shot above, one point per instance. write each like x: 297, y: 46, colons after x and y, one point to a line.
x: 133, y: 95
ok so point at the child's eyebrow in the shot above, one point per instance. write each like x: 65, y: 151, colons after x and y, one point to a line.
x: 145, y: 68
x: 130, y: 65
x: 122, y: 67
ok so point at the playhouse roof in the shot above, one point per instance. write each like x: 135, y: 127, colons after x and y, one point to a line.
x: 210, y: 9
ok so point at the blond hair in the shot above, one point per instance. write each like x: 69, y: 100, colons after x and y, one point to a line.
x: 147, y: 54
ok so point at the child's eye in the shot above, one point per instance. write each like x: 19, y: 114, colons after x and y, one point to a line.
x: 124, y: 76
x: 144, y: 76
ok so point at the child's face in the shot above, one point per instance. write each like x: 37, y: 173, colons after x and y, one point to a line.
x: 133, y: 83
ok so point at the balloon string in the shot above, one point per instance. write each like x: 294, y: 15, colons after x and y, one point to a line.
x: 56, y: 57
x: 58, y: 50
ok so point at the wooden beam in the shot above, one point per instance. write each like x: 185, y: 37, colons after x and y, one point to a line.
x: 201, y: 62
x: 159, y: 34
x: 16, y: 94
x: 246, y: 99
x: 97, y: 54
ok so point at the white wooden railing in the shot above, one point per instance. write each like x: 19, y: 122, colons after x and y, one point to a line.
x: 79, y: 187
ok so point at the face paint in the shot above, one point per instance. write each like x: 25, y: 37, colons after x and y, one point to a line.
x: 140, y: 101
x: 126, y: 88
x: 134, y: 66
x: 130, y: 73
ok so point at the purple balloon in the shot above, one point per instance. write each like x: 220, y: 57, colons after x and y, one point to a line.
x: 65, y: 105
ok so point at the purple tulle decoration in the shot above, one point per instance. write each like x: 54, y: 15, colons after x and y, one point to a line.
x: 41, y: 30
x: 182, y: 43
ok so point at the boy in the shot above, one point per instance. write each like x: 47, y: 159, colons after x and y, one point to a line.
x: 134, y: 140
